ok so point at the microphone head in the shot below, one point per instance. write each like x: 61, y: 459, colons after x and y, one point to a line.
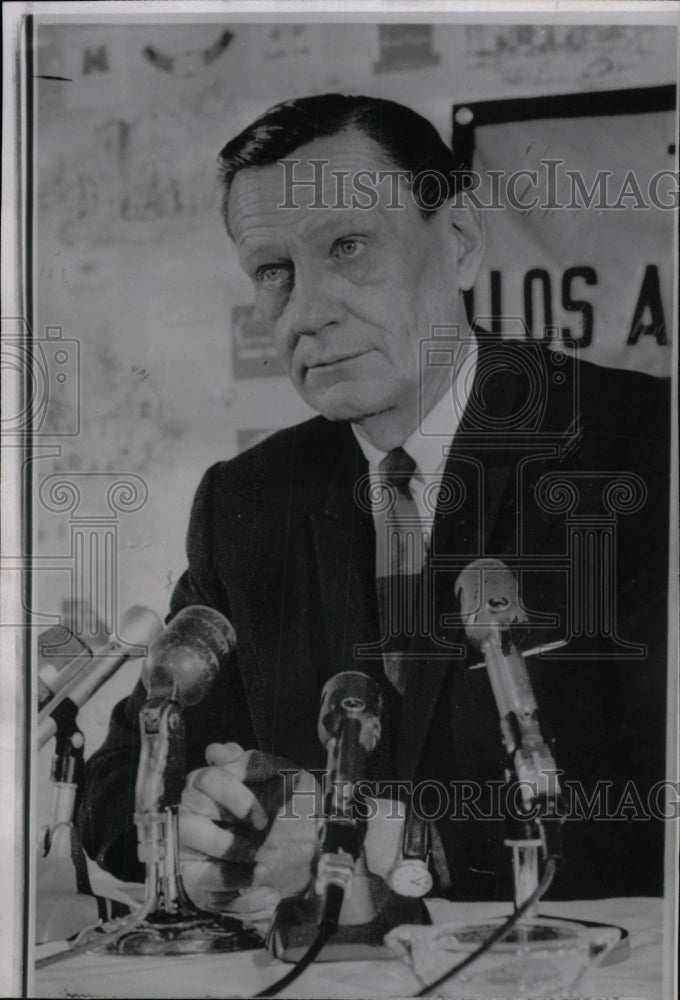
x: 351, y: 695
x: 184, y: 661
x: 61, y: 656
x: 488, y: 596
x: 139, y: 625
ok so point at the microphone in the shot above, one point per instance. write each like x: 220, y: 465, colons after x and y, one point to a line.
x: 141, y: 625
x: 348, y: 911
x: 184, y: 660
x: 61, y: 656
x: 182, y: 665
x: 489, y: 603
x: 350, y: 728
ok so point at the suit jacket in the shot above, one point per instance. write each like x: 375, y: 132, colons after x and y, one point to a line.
x: 560, y: 469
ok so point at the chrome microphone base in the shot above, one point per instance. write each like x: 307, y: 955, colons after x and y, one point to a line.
x: 194, y: 936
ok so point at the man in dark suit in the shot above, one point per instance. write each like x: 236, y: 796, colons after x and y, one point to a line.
x: 559, y: 469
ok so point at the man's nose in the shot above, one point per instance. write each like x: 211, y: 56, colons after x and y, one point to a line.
x: 314, y: 304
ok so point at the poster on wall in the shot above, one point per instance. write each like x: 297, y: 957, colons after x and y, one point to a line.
x: 339, y: 647
x: 564, y: 177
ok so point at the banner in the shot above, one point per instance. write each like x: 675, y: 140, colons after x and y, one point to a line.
x: 578, y: 197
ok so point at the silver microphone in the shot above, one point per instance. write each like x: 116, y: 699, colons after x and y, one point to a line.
x: 140, y: 626
x: 61, y: 656
x: 489, y: 602
x: 184, y: 661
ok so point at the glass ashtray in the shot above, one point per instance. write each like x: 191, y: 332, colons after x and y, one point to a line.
x: 539, y: 958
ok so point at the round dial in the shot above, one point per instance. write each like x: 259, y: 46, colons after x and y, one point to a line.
x: 410, y: 877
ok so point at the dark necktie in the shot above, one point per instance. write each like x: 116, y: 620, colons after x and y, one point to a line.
x: 400, y: 553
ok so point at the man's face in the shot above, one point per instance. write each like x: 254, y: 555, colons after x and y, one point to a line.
x: 351, y: 292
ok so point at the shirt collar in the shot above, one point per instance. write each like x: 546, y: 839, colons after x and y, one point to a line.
x: 429, y: 451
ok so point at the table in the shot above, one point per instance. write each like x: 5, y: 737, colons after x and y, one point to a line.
x: 244, y: 974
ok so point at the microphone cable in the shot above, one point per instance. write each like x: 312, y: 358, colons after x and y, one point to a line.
x: 499, y: 933
x: 328, y: 923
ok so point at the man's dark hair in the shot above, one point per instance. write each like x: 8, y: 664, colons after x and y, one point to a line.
x: 410, y: 141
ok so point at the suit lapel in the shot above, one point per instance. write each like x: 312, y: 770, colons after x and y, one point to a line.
x: 344, y: 540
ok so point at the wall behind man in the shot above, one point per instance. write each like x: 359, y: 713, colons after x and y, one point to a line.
x: 133, y: 267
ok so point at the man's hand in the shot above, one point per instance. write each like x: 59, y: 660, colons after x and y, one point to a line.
x: 240, y: 850
x: 244, y: 848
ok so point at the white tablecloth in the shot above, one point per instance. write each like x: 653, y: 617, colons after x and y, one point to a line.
x: 243, y: 974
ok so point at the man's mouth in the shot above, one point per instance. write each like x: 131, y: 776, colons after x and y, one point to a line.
x: 334, y: 359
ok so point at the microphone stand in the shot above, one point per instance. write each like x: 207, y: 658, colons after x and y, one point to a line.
x: 533, y: 830
x: 65, y: 902
x: 64, y: 899
x: 168, y: 922
x: 182, y: 664
x: 489, y: 601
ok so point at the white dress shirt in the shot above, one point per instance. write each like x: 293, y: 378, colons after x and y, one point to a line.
x: 429, y: 447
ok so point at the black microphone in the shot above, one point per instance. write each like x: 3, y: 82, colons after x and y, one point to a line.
x: 350, y: 728
x: 350, y: 910
x: 61, y: 656
x: 141, y: 626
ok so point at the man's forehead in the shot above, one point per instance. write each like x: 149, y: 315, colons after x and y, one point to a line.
x: 324, y: 173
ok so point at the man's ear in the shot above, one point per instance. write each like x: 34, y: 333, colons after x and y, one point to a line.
x: 468, y: 238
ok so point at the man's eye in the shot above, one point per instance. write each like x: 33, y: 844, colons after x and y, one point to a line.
x: 348, y: 248
x: 273, y: 276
